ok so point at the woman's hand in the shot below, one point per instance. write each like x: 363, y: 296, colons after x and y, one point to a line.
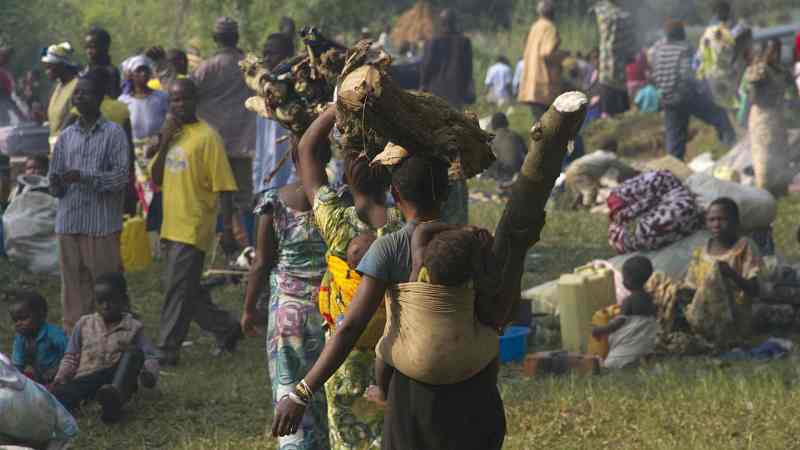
x: 288, y: 416
x: 249, y: 323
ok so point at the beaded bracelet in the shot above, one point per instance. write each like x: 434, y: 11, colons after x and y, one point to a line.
x: 303, y: 391
x: 296, y: 399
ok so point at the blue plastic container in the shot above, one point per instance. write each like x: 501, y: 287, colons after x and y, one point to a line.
x: 514, y: 344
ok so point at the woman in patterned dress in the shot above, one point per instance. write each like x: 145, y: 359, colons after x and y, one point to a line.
x: 289, y: 264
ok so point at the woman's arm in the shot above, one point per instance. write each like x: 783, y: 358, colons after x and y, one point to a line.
x: 368, y: 298
x: 266, y: 246
x: 310, y: 169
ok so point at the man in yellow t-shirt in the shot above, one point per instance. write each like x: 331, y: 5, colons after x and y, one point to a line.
x: 194, y: 174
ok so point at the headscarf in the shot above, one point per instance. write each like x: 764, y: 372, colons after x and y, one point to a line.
x: 131, y: 64
x: 59, y: 54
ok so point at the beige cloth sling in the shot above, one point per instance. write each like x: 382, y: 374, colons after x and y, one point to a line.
x: 433, y: 335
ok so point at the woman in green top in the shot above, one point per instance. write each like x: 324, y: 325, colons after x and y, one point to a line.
x: 355, y: 422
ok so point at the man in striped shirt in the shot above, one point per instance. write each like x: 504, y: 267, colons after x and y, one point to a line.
x: 89, y: 174
x: 681, y: 94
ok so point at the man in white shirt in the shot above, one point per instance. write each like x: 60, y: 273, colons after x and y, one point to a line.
x: 499, y: 78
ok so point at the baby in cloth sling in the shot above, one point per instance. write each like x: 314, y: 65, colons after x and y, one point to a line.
x: 433, y: 330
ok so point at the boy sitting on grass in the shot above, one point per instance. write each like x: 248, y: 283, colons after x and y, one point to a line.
x: 447, y: 255
x: 38, y: 345
x: 632, y: 334
x: 106, y: 354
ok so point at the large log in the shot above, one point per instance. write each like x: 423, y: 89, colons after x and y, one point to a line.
x: 524, y: 216
x: 371, y: 105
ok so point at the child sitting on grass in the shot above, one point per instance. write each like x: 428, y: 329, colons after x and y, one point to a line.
x: 106, y: 354
x: 38, y: 345
x: 632, y: 334
x: 447, y: 255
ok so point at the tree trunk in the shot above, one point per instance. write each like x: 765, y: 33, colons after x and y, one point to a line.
x: 523, y: 217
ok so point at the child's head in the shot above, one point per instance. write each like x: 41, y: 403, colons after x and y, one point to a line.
x: 635, y: 272
x: 111, y: 294
x: 448, y: 257
x: 722, y: 219
x: 357, y: 248
x: 37, y: 165
x: 503, y: 60
x: 28, y: 312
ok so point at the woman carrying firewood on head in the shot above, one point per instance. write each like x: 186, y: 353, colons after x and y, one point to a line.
x: 443, y: 399
x: 354, y: 421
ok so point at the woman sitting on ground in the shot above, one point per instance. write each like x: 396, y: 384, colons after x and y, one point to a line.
x: 711, y: 309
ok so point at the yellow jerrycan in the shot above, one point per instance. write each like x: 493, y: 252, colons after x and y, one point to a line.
x: 580, y: 295
x: 135, y: 245
x: 601, y: 318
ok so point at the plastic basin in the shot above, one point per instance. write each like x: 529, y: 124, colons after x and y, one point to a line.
x: 514, y: 344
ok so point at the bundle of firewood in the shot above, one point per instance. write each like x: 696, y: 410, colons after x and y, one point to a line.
x: 298, y: 89
x: 372, y: 110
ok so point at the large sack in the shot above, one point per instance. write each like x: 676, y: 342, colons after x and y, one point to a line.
x: 770, y: 149
x: 740, y: 157
x: 757, y: 207
x: 28, y: 413
x: 29, y: 231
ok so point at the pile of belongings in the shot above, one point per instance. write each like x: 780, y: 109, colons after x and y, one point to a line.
x: 298, y: 89
x: 651, y: 211
x: 374, y: 111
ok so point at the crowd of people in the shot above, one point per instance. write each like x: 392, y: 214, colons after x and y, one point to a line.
x: 169, y: 136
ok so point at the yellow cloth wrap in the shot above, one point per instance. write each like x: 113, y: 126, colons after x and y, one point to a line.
x: 433, y: 335
x: 335, y: 297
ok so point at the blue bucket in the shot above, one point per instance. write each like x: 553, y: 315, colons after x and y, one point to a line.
x: 514, y: 344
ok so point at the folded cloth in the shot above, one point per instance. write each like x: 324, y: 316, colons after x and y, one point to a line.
x: 433, y: 335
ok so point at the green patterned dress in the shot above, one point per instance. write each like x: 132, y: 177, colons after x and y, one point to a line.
x: 355, y: 423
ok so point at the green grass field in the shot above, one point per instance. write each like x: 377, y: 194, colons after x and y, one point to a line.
x: 225, y: 404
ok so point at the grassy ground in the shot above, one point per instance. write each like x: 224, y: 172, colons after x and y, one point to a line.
x: 225, y: 404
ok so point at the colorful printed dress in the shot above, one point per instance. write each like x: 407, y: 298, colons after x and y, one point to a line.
x: 295, y: 336
x: 355, y: 423
x: 713, y: 325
